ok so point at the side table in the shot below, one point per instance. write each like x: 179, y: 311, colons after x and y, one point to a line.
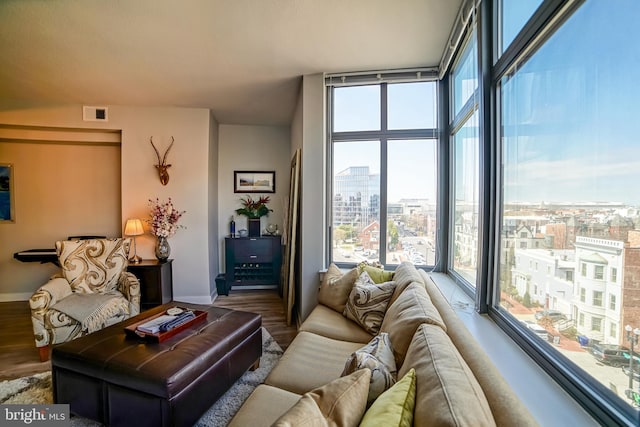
x: 156, y: 282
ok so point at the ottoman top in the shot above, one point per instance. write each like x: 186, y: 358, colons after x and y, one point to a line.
x: 161, y: 369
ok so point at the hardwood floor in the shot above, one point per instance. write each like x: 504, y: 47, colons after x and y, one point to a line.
x: 19, y: 356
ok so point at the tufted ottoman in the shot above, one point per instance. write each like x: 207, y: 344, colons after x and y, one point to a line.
x: 124, y: 381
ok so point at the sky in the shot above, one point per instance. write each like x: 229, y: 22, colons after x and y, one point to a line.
x: 412, y: 164
x: 571, y: 111
x: 569, y: 115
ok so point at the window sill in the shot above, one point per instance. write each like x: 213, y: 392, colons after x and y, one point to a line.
x: 545, y: 399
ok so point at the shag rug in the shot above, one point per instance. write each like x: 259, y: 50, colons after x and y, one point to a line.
x: 37, y: 390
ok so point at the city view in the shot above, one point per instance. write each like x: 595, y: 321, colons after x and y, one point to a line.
x: 568, y: 271
x: 560, y: 178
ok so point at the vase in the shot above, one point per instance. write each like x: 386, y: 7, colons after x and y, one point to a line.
x: 254, y: 227
x: 163, y: 250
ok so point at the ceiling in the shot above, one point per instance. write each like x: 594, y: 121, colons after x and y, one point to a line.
x: 243, y: 59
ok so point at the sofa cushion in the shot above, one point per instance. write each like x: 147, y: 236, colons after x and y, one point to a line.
x: 368, y: 302
x: 377, y: 356
x: 336, y: 287
x: 309, y: 362
x: 263, y: 407
x: 405, y: 274
x: 448, y: 393
x: 507, y: 408
x: 412, y: 308
x: 331, y: 324
x: 394, y: 408
x: 341, y: 402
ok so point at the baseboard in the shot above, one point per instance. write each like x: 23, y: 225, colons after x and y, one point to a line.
x: 15, y: 296
x: 202, y: 300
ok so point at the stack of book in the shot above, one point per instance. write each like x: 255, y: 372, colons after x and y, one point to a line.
x: 165, y: 322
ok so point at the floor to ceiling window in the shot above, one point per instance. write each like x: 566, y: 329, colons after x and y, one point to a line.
x: 464, y: 152
x: 569, y: 212
x: 384, y: 171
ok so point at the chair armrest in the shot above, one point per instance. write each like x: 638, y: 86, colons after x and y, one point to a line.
x: 41, y: 301
x: 129, y: 286
x: 50, y: 293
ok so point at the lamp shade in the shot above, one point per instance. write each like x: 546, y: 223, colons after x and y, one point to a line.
x: 133, y: 227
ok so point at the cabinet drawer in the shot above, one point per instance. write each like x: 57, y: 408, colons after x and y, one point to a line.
x: 248, y: 250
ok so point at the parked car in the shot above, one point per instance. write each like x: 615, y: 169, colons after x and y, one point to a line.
x: 554, y: 315
x: 613, y: 354
x: 537, y: 329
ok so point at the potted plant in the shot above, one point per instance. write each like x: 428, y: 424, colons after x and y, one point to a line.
x: 254, y: 210
x: 164, y: 224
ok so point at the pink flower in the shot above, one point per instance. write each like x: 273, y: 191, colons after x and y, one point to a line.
x: 164, y: 218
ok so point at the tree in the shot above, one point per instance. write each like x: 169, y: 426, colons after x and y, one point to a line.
x: 348, y: 231
x: 392, y: 230
x: 526, y: 300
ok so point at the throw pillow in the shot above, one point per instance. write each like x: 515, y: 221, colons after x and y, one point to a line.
x: 395, y: 406
x: 377, y: 274
x: 377, y: 356
x: 342, y: 402
x: 368, y: 302
x: 336, y: 287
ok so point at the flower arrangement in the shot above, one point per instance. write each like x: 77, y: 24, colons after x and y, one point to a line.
x: 253, y: 209
x: 164, y: 218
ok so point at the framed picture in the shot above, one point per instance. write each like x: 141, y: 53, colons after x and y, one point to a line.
x: 254, y: 182
x: 6, y: 193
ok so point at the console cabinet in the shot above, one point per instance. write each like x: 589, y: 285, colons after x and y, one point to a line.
x: 156, y: 282
x: 253, y: 262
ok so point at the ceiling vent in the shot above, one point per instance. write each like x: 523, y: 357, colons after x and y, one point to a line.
x: 95, y: 114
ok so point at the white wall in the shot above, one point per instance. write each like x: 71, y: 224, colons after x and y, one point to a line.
x: 214, y: 266
x: 313, y: 193
x: 189, y: 183
x: 251, y: 148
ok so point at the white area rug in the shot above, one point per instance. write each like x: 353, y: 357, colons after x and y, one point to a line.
x: 37, y: 389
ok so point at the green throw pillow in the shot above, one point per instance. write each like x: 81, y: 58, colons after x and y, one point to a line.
x: 395, y: 406
x: 378, y: 275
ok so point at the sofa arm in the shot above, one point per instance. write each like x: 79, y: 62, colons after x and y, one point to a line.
x: 129, y: 286
x: 41, y: 301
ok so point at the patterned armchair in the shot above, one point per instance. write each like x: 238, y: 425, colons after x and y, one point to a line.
x: 93, y: 291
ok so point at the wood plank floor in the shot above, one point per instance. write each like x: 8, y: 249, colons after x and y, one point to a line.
x: 19, y: 356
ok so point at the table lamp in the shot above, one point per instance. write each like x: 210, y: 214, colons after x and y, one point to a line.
x: 134, y: 228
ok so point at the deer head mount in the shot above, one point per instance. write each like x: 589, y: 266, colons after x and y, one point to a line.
x: 162, y: 165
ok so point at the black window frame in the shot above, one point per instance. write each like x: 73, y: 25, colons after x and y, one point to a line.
x: 593, y: 396
x: 384, y: 136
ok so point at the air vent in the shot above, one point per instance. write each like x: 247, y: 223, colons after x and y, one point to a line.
x: 95, y: 114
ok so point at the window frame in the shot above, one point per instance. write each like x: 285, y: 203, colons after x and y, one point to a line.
x: 455, y: 122
x: 593, y: 396
x: 384, y: 136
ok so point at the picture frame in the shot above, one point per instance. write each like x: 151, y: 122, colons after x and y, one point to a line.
x: 254, y: 181
x: 7, y: 196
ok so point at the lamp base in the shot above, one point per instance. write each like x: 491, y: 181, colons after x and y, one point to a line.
x: 136, y: 259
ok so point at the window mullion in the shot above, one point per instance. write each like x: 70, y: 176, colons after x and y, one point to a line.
x: 383, y: 174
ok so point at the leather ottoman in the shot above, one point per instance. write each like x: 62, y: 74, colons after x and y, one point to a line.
x: 124, y: 381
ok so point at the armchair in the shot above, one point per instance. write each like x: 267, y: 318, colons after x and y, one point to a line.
x: 93, y: 291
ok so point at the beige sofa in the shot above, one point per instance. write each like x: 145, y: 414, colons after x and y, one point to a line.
x: 456, y: 384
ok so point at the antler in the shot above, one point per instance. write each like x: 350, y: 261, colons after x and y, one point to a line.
x: 156, y: 150
x: 162, y: 165
x: 164, y: 159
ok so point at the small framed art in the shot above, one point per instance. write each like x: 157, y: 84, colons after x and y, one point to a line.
x: 254, y: 182
x: 7, y: 209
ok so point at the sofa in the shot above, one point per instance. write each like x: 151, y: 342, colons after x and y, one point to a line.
x: 441, y: 375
